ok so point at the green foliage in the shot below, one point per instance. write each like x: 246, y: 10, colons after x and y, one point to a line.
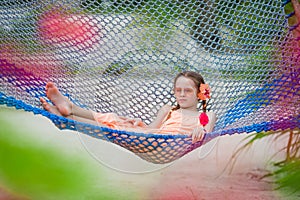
x: 237, y: 28
x: 39, y: 172
x: 22, y: 32
x: 288, y: 176
x: 117, y: 68
x: 242, y: 19
x: 288, y: 9
x: 286, y: 172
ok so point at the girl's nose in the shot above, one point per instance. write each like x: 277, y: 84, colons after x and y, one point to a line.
x: 182, y: 93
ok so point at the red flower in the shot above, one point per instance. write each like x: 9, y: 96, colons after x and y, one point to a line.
x: 204, y: 92
x: 203, y: 118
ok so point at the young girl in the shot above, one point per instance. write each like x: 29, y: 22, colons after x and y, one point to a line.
x: 189, y: 89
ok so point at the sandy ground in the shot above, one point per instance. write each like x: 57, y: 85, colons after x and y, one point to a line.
x: 202, y: 174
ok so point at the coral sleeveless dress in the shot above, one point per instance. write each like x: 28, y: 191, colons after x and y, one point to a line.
x: 177, y: 123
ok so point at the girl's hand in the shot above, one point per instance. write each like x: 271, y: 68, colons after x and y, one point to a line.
x: 133, y: 121
x: 136, y: 121
x: 197, y: 134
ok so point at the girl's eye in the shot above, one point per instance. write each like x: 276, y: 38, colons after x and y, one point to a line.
x: 177, y: 90
x: 188, y: 91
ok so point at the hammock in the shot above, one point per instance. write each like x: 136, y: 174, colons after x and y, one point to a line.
x: 121, y: 57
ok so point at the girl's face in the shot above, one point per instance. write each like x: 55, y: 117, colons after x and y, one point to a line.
x: 186, y: 93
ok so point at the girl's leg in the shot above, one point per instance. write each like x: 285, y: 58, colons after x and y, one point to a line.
x: 64, y: 105
x: 54, y: 110
x: 50, y: 108
x: 85, y: 120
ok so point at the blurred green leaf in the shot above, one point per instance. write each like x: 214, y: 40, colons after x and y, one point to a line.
x: 40, y: 172
x: 288, y: 176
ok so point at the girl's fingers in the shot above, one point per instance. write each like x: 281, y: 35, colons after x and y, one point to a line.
x: 193, y: 138
x: 136, y: 121
x: 197, y: 138
x: 197, y: 135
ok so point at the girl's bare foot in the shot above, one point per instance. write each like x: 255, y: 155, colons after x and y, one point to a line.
x: 62, y: 103
x: 49, y: 108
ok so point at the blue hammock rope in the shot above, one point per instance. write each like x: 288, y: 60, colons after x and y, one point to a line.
x: 154, y: 148
x: 111, y: 63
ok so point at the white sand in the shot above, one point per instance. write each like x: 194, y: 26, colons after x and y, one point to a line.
x: 202, y: 174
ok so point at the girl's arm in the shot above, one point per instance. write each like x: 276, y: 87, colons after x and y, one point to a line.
x: 212, y: 121
x: 161, y: 115
x: 198, y: 133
